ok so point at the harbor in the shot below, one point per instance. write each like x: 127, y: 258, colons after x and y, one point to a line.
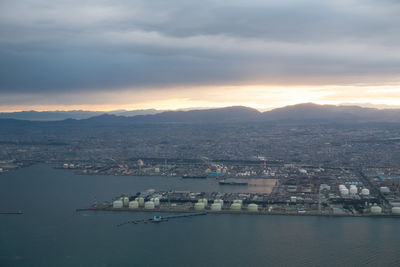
x: 243, y: 203
x: 46, y: 229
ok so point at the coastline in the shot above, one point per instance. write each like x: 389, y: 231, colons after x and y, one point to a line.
x: 243, y: 212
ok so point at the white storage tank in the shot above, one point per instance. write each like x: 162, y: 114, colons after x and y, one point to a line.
x: 252, y: 207
x: 156, y: 202
x: 342, y: 186
x: 219, y: 201
x: 376, y: 209
x: 344, y: 192
x: 117, y: 204
x: 199, y: 206
x: 353, y: 189
x: 125, y: 201
x: 396, y: 210
x: 238, y: 201
x: 365, y: 192
x: 141, y: 201
x: 236, y: 207
x: 149, y: 205
x: 216, y: 207
x: 133, y: 205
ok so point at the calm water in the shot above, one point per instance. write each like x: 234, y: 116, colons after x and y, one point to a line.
x: 50, y: 233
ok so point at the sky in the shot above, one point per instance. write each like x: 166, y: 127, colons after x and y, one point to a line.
x: 132, y: 54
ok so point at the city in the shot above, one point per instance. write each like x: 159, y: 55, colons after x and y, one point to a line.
x: 310, y: 168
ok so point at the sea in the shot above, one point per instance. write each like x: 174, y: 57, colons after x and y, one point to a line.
x: 51, y: 233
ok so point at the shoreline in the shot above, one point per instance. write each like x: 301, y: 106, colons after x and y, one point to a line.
x: 237, y: 212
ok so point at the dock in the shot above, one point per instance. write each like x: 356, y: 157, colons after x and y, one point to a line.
x: 228, y: 211
x: 157, y: 219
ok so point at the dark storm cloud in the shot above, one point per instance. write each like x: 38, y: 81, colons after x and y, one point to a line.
x: 107, y: 45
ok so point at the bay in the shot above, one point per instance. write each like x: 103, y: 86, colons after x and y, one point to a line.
x: 51, y: 233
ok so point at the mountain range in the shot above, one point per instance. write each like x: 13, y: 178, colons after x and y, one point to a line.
x: 71, y: 114
x: 307, y: 112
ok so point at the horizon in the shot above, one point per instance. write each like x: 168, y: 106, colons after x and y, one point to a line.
x: 362, y: 105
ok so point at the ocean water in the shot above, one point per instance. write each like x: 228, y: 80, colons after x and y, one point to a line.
x: 51, y: 233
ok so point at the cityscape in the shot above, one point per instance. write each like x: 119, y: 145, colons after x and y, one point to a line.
x: 199, y: 133
x: 286, y: 168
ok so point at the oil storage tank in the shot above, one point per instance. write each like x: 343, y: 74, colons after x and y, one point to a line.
x: 133, y: 205
x: 396, y: 210
x: 141, y: 201
x: 353, y: 189
x: 252, y: 207
x: 216, y: 207
x: 236, y: 207
x: 149, y: 205
x: 365, y: 192
x: 375, y: 209
x: 125, y: 201
x: 117, y: 204
x: 156, y: 202
x: 204, y: 200
x: 219, y: 201
x: 344, y: 192
x: 199, y: 206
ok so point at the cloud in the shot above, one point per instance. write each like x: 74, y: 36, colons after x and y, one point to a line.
x: 108, y: 46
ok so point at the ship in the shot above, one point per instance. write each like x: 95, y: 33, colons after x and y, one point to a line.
x: 194, y: 176
x: 223, y: 182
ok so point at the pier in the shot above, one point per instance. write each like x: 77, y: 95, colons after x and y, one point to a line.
x: 157, y: 219
x: 228, y: 211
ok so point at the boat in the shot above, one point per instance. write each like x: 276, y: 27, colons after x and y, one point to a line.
x: 158, y: 219
x: 194, y: 176
x: 223, y: 182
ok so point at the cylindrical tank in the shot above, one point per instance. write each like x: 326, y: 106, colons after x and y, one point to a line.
x: 149, y: 205
x: 376, y: 209
x: 396, y: 210
x: 215, y: 207
x: 353, y: 189
x: 117, y: 204
x: 199, y: 206
x: 125, y: 201
x: 342, y: 186
x: 133, y: 205
x: 238, y: 201
x: 156, y: 202
x: 236, y: 207
x: 252, y: 207
x: 205, y: 201
x: 365, y: 192
x: 219, y: 201
x: 141, y: 201
x: 344, y: 192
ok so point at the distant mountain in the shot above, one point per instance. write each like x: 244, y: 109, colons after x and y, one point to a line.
x: 301, y: 113
x: 218, y: 115
x: 72, y: 114
x: 370, y: 105
x: 331, y: 113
